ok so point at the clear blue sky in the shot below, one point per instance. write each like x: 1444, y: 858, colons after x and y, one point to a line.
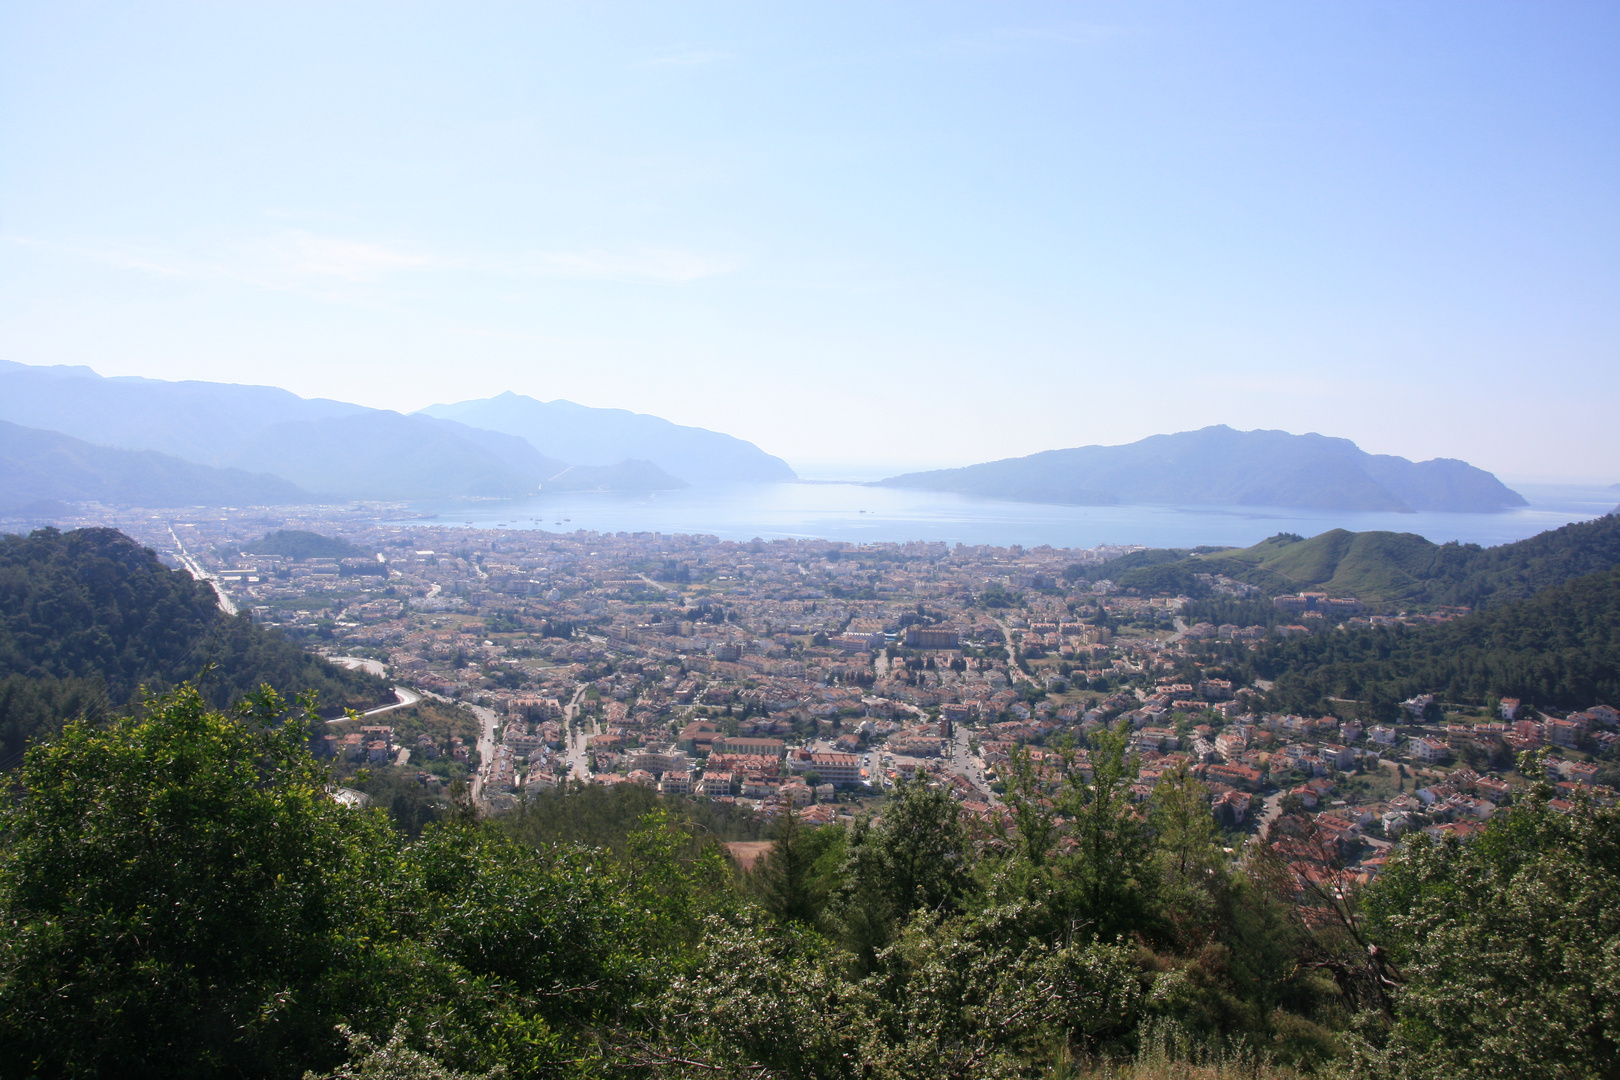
x: 927, y: 233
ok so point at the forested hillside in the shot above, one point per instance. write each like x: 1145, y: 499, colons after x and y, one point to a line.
x: 1381, y: 567
x: 88, y: 617
x: 1560, y: 648
x: 1510, y: 572
x: 302, y: 544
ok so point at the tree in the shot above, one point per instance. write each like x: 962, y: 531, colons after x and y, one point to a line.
x: 89, y: 617
x: 1107, y: 878
x: 975, y: 995
x: 964, y: 996
x: 913, y: 858
x: 1183, y: 827
x: 1029, y: 796
x: 179, y: 896
x: 794, y: 880
x: 1509, y: 947
x: 763, y: 1001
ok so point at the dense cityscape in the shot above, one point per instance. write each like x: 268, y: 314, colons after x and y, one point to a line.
x: 815, y: 675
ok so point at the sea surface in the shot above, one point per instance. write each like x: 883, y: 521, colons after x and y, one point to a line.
x: 862, y: 514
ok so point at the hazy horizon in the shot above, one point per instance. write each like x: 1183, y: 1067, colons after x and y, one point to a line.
x: 925, y: 235
x: 823, y: 468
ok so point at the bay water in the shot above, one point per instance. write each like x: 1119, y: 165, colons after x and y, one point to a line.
x: 860, y: 513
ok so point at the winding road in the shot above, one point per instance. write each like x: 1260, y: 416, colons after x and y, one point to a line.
x: 405, y: 695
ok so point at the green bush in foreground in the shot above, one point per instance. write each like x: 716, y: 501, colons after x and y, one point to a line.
x: 179, y: 897
x: 182, y: 898
x: 1509, y: 947
x: 175, y: 889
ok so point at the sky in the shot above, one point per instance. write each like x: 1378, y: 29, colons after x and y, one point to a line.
x: 919, y: 234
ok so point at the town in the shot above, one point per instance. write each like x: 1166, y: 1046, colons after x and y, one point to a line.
x: 815, y: 675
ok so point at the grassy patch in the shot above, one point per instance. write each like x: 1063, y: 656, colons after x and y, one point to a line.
x: 433, y: 718
x: 1384, y: 782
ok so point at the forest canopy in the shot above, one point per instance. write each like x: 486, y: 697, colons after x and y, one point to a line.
x: 89, y: 617
x: 1382, y: 567
x: 1560, y: 648
x: 303, y: 544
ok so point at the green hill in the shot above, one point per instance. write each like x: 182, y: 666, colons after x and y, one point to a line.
x: 1388, y: 567
x: 1499, y: 575
x: 1370, y: 565
x: 89, y: 617
x: 300, y: 544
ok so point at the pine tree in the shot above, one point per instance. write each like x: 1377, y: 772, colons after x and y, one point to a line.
x: 786, y: 877
x: 1108, y: 879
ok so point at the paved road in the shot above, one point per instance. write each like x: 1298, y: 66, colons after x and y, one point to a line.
x: 657, y: 585
x: 486, y: 746
x: 960, y: 760
x: 1013, y: 655
x: 406, y: 697
x: 360, y: 663
x: 574, y: 744
x: 874, y: 769
x: 195, y: 569
x: 1271, y: 812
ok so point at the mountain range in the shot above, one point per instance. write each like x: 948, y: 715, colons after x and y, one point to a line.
x: 1218, y: 465
x: 588, y: 436
x: 77, y: 436
x: 39, y: 466
x: 73, y: 436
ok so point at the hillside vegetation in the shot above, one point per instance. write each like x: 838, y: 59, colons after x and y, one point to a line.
x: 1384, y: 567
x: 1560, y: 648
x: 302, y: 544
x: 89, y: 617
x: 1372, y: 565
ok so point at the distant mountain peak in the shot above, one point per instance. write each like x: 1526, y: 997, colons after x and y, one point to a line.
x: 604, y: 438
x: 60, y: 371
x: 1219, y: 465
